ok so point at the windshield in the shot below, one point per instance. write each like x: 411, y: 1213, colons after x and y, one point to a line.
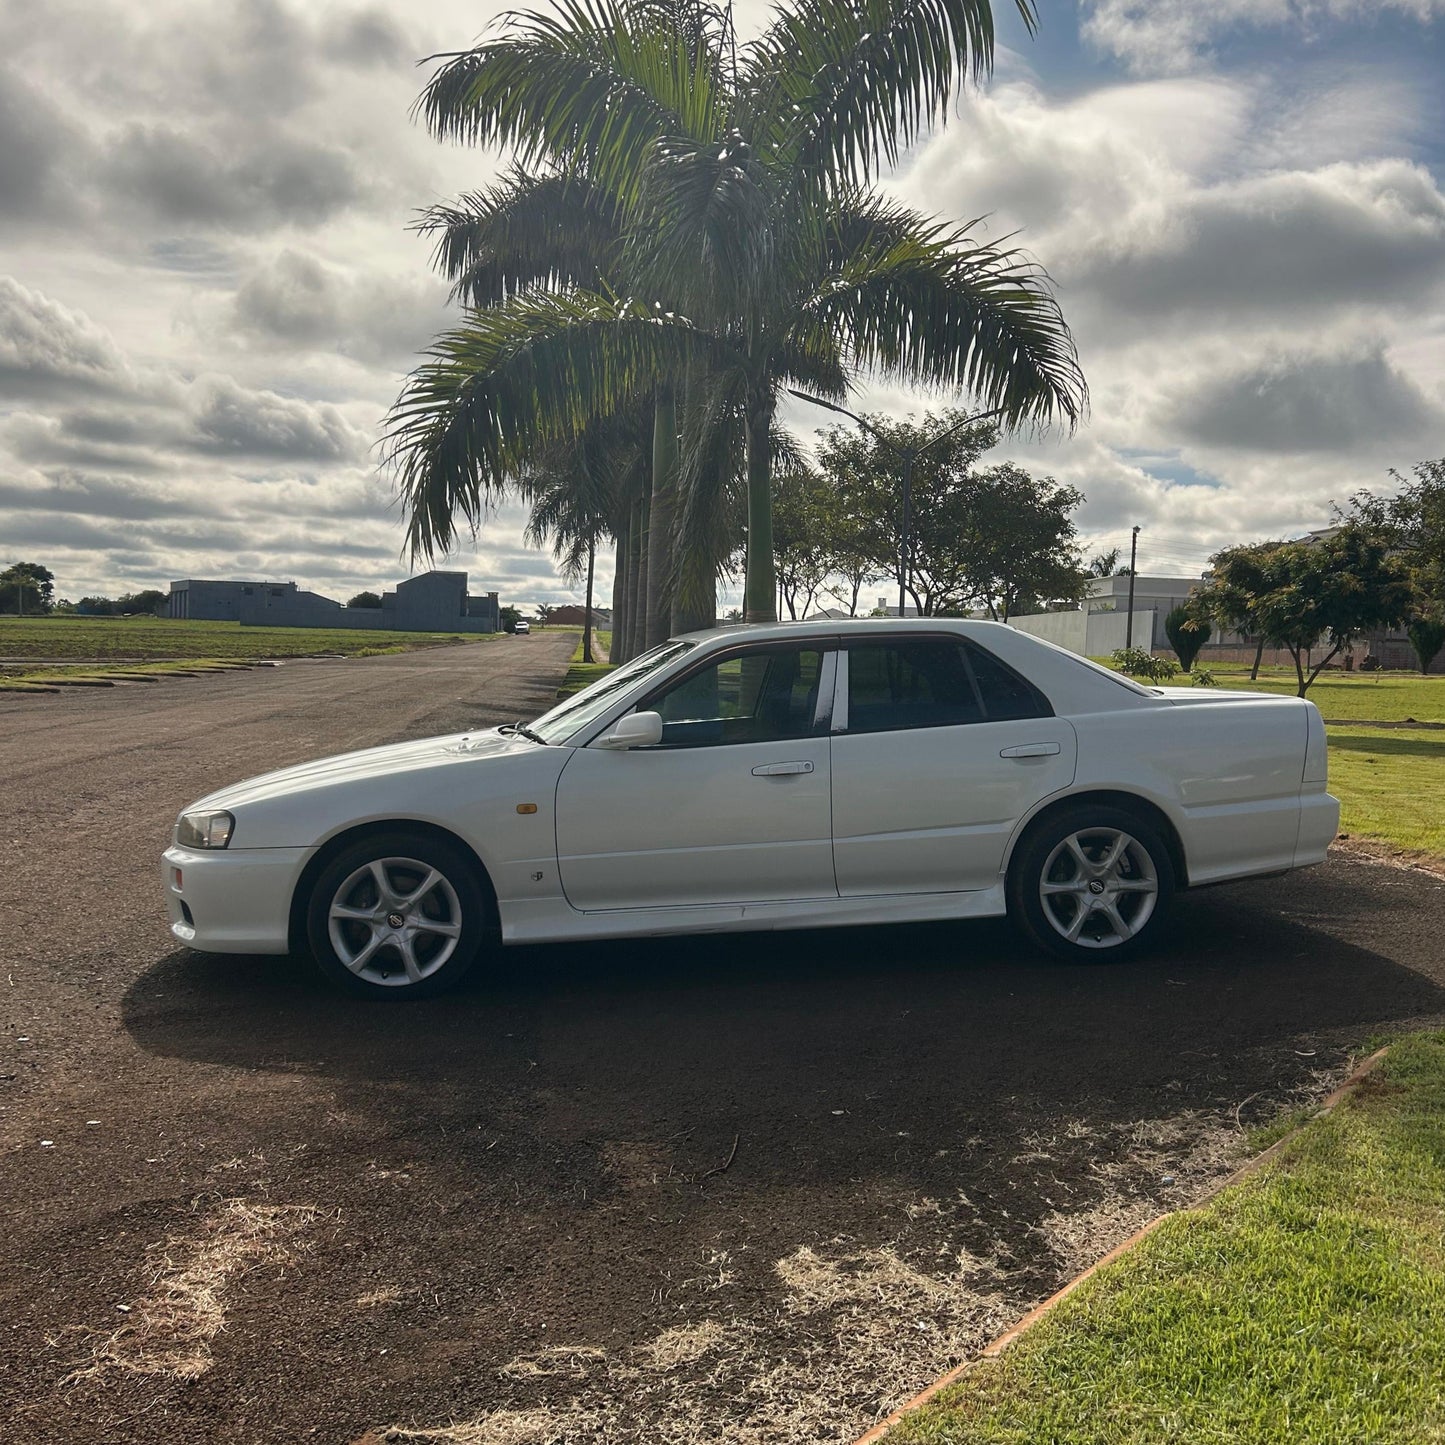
x: 584, y: 707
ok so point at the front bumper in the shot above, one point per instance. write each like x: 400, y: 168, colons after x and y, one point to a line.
x: 232, y: 900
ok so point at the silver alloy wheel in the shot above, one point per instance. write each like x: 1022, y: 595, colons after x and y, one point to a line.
x: 395, y: 921
x: 1098, y: 887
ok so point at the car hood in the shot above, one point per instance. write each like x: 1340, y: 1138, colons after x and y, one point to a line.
x: 456, y: 748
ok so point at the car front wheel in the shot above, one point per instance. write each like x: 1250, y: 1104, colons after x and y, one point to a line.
x: 397, y: 915
x: 1091, y: 884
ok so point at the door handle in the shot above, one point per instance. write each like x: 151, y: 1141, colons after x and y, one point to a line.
x: 1031, y: 750
x: 781, y: 770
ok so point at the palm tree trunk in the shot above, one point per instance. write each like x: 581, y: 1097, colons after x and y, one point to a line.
x: 618, y: 650
x: 637, y: 581
x: 587, y: 610
x: 694, y: 599
x: 660, y: 540
x: 760, y: 589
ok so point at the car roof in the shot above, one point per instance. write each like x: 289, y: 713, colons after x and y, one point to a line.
x: 836, y: 626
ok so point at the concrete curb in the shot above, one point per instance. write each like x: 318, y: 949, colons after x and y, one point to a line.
x: 995, y: 1348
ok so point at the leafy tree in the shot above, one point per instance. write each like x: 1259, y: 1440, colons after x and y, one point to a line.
x: 147, y: 600
x: 801, y: 502
x: 508, y: 618
x: 1427, y: 637
x: 1335, y: 589
x: 754, y: 252
x: 1187, y: 631
x: 1413, y: 524
x: 994, y: 538
x: 1238, y: 580
x: 365, y: 599
x: 26, y: 587
x: 1104, y: 564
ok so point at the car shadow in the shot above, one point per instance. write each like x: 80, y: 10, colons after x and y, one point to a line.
x: 928, y: 1025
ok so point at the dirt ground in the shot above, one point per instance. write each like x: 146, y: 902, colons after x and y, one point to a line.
x: 742, y: 1190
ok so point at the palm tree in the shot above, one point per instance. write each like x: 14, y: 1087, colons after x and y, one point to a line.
x: 755, y: 254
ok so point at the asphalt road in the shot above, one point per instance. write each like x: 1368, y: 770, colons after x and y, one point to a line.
x: 754, y: 1190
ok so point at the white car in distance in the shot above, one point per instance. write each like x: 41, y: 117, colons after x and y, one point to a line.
x: 782, y: 776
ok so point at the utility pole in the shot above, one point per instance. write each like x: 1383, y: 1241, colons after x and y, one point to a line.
x: 907, y: 455
x: 1133, y: 568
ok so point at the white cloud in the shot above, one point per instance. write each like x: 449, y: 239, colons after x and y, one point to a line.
x: 1171, y: 36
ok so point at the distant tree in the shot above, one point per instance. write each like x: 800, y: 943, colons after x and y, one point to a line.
x: 148, y: 600
x: 544, y: 613
x: 1105, y: 564
x: 1023, y: 553
x: 508, y: 617
x: 801, y: 528
x: 365, y: 599
x: 1413, y: 524
x: 1333, y: 590
x: 1427, y: 637
x: 26, y: 587
x: 1187, y: 630
x: 1230, y: 598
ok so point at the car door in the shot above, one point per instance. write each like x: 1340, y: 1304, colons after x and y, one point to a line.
x: 734, y: 804
x: 939, y: 750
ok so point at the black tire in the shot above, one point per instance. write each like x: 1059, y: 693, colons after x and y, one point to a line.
x: 443, y: 926
x: 1144, y: 863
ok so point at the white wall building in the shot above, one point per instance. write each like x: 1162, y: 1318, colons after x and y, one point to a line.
x: 1101, y: 622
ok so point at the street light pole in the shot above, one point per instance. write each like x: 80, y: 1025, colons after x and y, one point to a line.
x: 1133, y: 569
x: 907, y: 455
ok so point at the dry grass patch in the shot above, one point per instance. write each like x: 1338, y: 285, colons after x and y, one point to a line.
x: 169, y: 1330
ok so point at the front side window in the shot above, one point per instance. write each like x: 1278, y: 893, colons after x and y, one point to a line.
x: 750, y: 697
x: 930, y: 682
x: 592, y: 702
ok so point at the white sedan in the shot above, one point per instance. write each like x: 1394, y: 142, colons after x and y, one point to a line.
x: 787, y: 776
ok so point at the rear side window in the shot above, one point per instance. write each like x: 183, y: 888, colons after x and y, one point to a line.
x: 920, y: 683
x: 1004, y: 694
x: 931, y: 682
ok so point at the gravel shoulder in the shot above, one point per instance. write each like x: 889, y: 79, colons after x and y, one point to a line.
x: 756, y: 1189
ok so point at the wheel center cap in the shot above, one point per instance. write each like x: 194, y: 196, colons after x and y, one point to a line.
x: 394, y: 920
x: 1096, y: 885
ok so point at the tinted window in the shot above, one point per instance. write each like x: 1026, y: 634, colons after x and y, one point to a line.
x: 920, y: 683
x: 750, y: 697
x: 1004, y: 693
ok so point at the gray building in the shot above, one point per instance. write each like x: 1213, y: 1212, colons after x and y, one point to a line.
x: 433, y: 602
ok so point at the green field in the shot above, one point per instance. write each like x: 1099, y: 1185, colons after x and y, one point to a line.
x: 30, y: 647
x: 1304, y: 1305
x: 1352, y: 696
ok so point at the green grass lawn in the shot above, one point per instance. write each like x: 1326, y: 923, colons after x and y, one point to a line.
x: 1391, y: 785
x: 1304, y: 1306
x: 582, y: 674
x: 108, y: 644
x: 1351, y: 696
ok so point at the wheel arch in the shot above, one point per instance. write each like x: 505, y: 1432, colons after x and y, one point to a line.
x: 300, y: 895
x: 1134, y: 803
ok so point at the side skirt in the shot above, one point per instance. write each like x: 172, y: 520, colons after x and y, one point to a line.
x: 551, y: 921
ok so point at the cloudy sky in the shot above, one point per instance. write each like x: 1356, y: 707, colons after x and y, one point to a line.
x: 208, y: 294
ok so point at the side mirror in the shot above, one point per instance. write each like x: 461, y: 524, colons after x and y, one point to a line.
x: 636, y: 730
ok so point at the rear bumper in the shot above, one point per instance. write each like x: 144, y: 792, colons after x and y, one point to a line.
x: 232, y: 900
x: 1319, y: 822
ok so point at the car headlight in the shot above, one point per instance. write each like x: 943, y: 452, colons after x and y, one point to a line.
x: 204, y: 830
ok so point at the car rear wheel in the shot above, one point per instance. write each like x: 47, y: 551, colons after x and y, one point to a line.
x: 1091, y: 884
x: 397, y: 915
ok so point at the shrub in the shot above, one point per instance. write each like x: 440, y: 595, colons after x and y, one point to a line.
x: 1204, y: 679
x: 1187, y: 633
x: 1139, y: 663
x: 1427, y: 637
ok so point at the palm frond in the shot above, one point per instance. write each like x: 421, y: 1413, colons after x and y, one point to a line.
x: 590, y: 86
x: 836, y: 86
x: 945, y: 310
x: 512, y: 378
x: 523, y: 231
